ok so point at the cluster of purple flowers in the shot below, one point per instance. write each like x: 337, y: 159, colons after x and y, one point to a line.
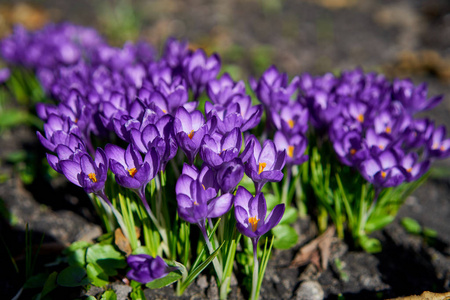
x: 370, y: 122
x: 128, y: 93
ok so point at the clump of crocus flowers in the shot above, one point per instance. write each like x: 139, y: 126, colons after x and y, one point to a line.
x: 143, y: 114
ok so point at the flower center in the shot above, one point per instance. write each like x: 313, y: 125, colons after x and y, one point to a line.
x: 442, y: 148
x: 383, y: 174
x: 388, y: 129
x: 132, y: 171
x: 261, y: 167
x: 352, y: 151
x: 409, y: 170
x: 291, y: 123
x: 254, y: 221
x: 381, y: 147
x: 92, y: 177
x: 191, y: 134
x: 290, y: 151
x: 435, y: 146
x: 164, y: 111
x: 360, y: 118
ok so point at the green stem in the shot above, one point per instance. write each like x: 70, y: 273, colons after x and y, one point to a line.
x: 216, y: 263
x: 254, y: 294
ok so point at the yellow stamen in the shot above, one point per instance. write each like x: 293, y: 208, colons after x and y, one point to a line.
x: 254, y: 221
x: 132, y: 171
x: 381, y: 147
x: 261, y: 167
x: 383, y: 174
x: 291, y: 123
x: 409, y: 170
x: 360, y: 118
x: 164, y: 111
x: 442, y: 148
x: 195, y: 203
x: 290, y: 151
x: 190, y: 135
x: 76, y: 120
x: 203, y: 186
x: 352, y: 151
x: 388, y: 129
x: 92, y: 177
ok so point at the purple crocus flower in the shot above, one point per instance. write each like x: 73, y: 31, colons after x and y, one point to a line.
x: 222, y: 90
x: 216, y: 149
x: 130, y: 169
x: 86, y: 173
x: 294, y: 146
x: 146, y: 268
x: 273, y: 89
x: 251, y: 214
x: 200, y: 69
x: 414, y: 169
x: 291, y: 119
x: 189, y: 130
x: 438, y: 145
x: 263, y: 164
x: 350, y: 148
x: 414, y: 99
x: 229, y: 175
x: 383, y: 170
x: 5, y: 73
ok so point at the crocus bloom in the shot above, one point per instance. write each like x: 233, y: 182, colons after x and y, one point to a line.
x: 251, y: 214
x: 130, y: 169
x: 145, y: 268
x: 189, y: 130
x: 222, y: 90
x: 263, y: 164
x: 5, y: 73
x: 438, y: 145
x: 294, y: 146
x: 383, y: 170
x: 200, y: 69
x: 229, y: 175
x: 216, y: 149
x: 90, y: 175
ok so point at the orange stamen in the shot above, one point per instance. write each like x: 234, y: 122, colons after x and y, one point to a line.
x: 290, y: 151
x: 442, y: 148
x: 381, y: 147
x: 164, y: 111
x: 132, y: 171
x: 409, y: 170
x: 352, y: 151
x: 291, y: 123
x: 360, y: 118
x: 261, y: 167
x: 435, y: 146
x: 190, y: 135
x: 383, y: 174
x: 92, y: 177
x: 254, y: 221
x: 388, y: 129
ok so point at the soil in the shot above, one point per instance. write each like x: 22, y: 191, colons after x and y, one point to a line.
x: 401, y: 38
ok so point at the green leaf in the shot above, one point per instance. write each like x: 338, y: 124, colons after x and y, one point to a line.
x: 91, y: 298
x: 411, y: 225
x: 109, y: 295
x: 72, y: 276
x: 370, y: 245
x: 428, y: 232
x: 285, y: 236
x: 77, y: 258
x: 137, y: 294
x: 290, y: 215
x: 141, y: 250
x: 75, y: 246
x: 96, y: 275
x: 107, y: 257
x: 196, y: 271
x: 50, y: 284
x: 35, y: 281
x: 271, y: 201
x: 378, y: 222
x: 165, y: 281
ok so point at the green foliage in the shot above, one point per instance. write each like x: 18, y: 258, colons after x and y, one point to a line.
x: 285, y: 236
x: 72, y: 276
